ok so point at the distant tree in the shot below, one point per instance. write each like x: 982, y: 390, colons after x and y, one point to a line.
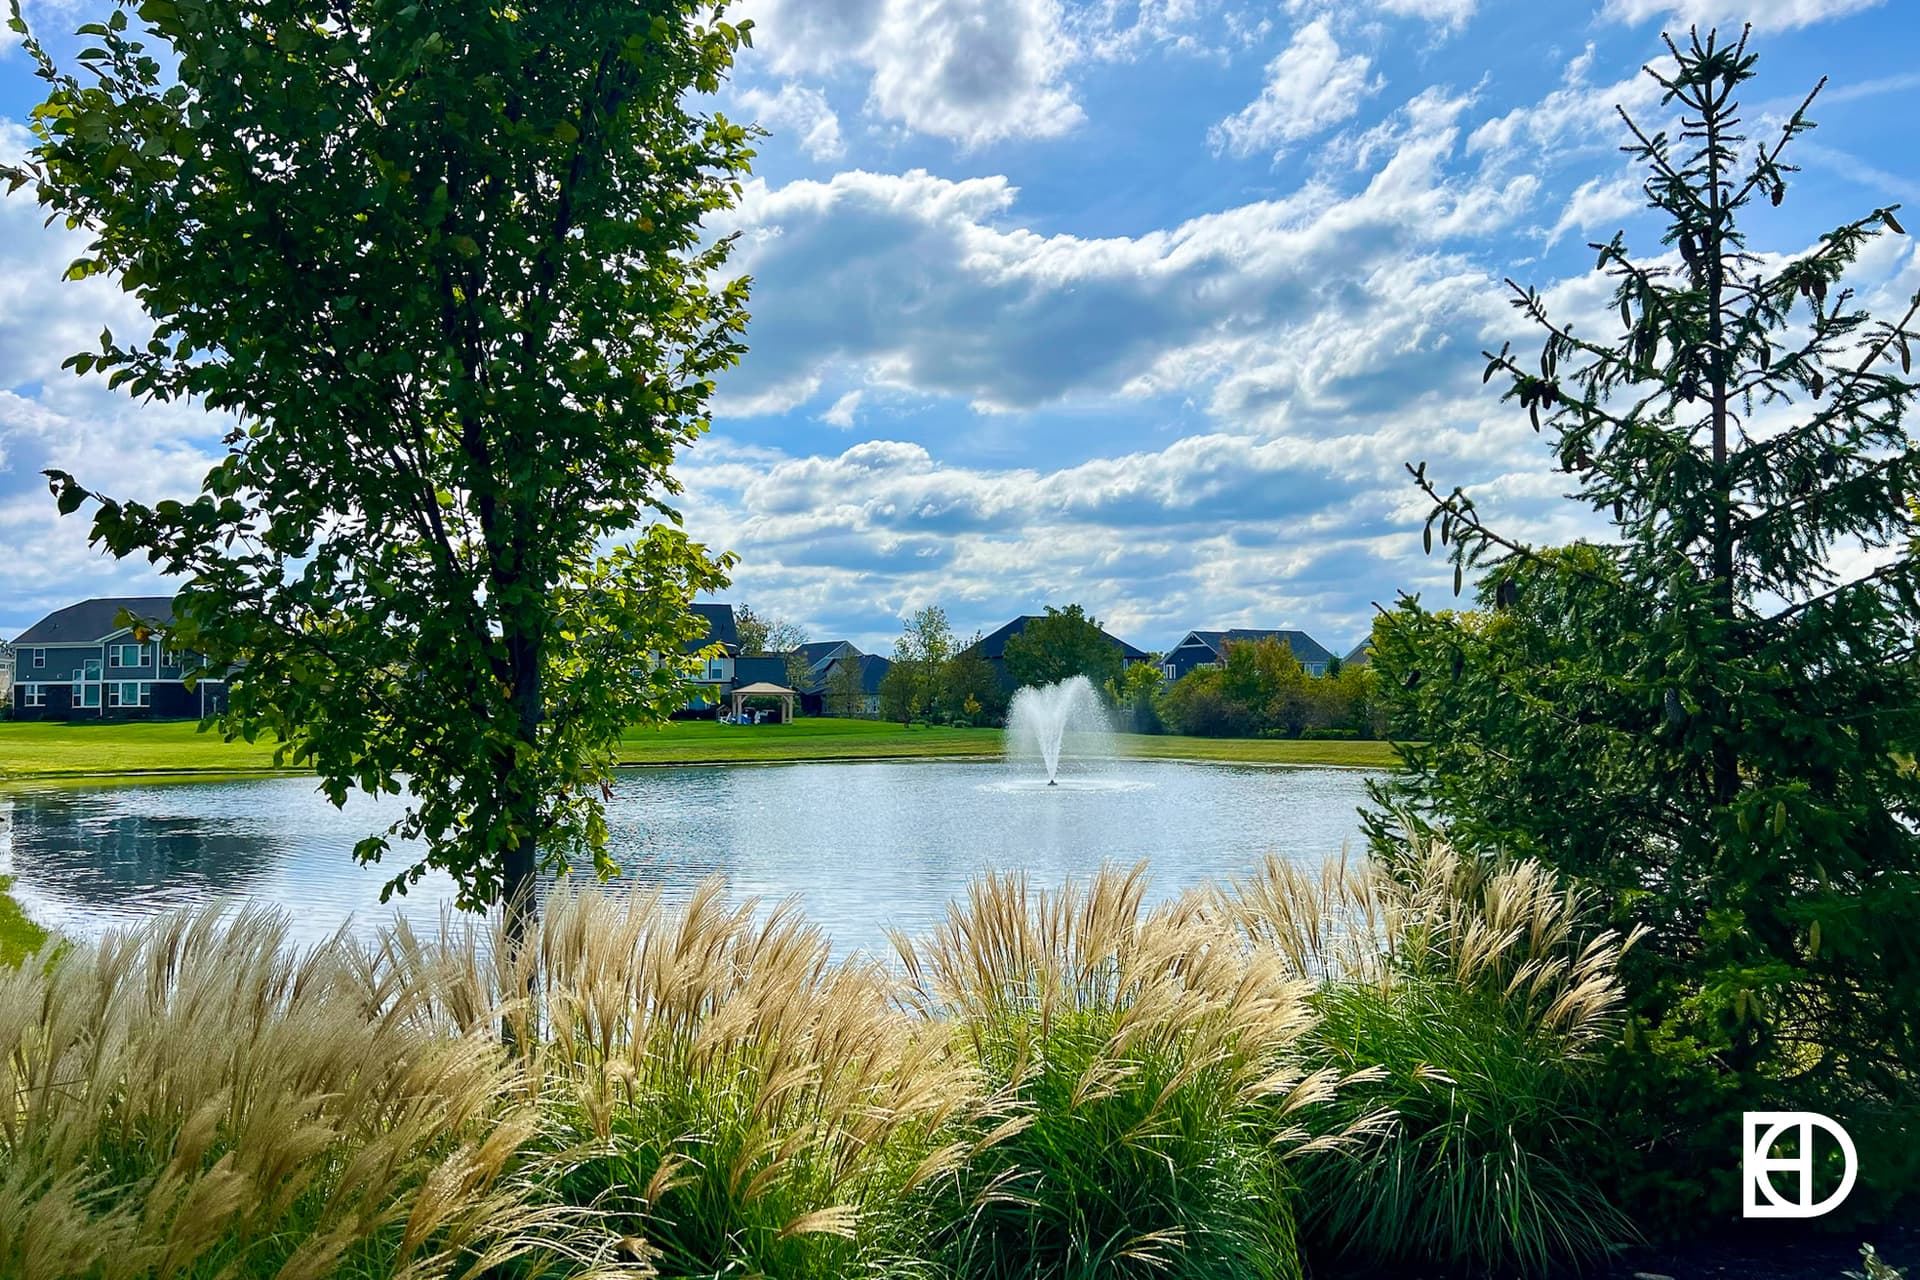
x: 846, y: 694
x: 766, y: 636
x: 971, y: 709
x: 920, y: 658
x: 1062, y: 644
x: 1133, y: 695
x: 1197, y: 704
x: 900, y: 693
x: 969, y: 677
x: 799, y: 672
x: 450, y: 271
x: 1712, y: 714
x: 1266, y: 680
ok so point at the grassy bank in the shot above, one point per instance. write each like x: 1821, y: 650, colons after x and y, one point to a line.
x: 51, y: 751
x: 19, y: 936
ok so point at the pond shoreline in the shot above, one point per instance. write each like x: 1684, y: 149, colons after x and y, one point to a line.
x: 155, y: 751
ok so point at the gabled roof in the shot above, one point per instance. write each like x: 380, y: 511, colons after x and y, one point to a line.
x: 873, y: 669
x: 815, y: 652
x: 92, y: 620
x: 1360, y: 655
x: 993, y: 646
x: 720, y: 627
x: 1304, y: 646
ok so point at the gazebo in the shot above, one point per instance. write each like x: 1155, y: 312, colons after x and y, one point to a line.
x: 761, y: 689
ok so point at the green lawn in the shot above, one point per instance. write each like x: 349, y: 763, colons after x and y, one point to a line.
x: 19, y: 936
x: 40, y: 751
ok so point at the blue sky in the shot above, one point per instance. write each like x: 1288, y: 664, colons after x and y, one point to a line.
x: 1137, y: 305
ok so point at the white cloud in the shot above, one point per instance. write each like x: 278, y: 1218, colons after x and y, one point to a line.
x: 1595, y: 204
x: 841, y: 412
x: 1310, y: 87
x: 974, y: 71
x: 800, y: 112
x: 1774, y: 15
x: 1578, y: 114
x: 915, y: 282
x: 1450, y: 14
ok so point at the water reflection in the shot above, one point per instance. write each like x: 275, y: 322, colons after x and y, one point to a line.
x: 862, y: 846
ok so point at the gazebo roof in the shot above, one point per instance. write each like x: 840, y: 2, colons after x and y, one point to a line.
x: 761, y: 686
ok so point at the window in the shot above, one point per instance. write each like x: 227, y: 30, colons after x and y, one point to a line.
x: 89, y: 695
x: 169, y: 657
x: 39, y: 657
x: 126, y: 655
x: 129, y: 693
x: 33, y: 695
x: 716, y: 669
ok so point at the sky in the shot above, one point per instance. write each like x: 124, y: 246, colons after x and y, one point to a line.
x: 1137, y: 304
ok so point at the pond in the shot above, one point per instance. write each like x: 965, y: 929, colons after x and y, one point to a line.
x: 861, y: 846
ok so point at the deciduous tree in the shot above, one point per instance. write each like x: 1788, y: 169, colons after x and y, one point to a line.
x: 445, y: 268
x: 1060, y: 645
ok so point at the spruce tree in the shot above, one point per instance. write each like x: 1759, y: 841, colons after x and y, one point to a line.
x: 1712, y: 712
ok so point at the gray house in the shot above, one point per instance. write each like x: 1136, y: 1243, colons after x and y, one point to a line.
x: 77, y: 663
x: 1209, y: 649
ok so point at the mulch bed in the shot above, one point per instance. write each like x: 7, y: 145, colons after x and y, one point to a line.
x: 1757, y: 1251
x: 1772, y: 1251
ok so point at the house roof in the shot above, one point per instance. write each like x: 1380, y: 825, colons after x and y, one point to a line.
x: 763, y: 686
x: 993, y: 646
x: 720, y: 627
x: 92, y: 620
x: 815, y: 652
x: 1360, y: 655
x: 1304, y: 646
x: 873, y: 669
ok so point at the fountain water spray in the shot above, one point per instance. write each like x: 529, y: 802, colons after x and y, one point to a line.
x: 1052, y: 720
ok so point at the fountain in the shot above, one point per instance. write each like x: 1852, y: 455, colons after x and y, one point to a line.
x: 1058, y: 719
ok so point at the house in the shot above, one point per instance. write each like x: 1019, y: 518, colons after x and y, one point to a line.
x: 819, y: 657
x: 993, y: 647
x: 77, y: 663
x: 1360, y: 655
x: 713, y: 685
x: 817, y: 698
x: 1209, y: 649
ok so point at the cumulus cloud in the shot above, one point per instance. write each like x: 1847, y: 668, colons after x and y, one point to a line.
x: 914, y: 281
x: 1309, y: 88
x: 802, y: 113
x: 974, y: 71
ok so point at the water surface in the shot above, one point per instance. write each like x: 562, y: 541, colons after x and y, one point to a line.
x: 862, y: 846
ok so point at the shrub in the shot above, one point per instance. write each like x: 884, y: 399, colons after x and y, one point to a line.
x: 1463, y: 1003
x: 1131, y: 1061
x: 731, y: 1096
x: 1329, y: 735
x: 195, y: 1098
